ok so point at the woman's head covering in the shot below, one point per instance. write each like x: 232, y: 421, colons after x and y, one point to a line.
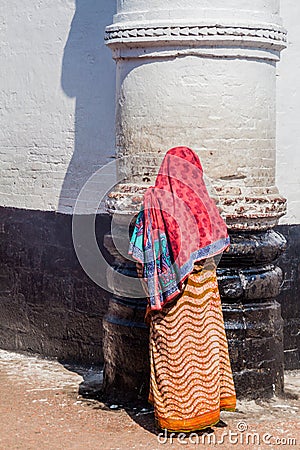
x: 178, y: 224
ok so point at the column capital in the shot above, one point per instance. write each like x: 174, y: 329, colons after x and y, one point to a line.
x: 163, y: 28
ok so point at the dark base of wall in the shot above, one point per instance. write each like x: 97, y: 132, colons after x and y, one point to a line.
x: 48, y: 304
x: 290, y: 295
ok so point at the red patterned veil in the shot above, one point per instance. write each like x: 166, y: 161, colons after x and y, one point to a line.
x: 178, y: 225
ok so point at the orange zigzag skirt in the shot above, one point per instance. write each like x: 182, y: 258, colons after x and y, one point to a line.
x: 191, y: 378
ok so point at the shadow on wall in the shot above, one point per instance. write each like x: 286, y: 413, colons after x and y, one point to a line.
x: 88, y: 73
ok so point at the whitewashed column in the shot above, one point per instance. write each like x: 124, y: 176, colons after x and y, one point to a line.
x: 202, y: 74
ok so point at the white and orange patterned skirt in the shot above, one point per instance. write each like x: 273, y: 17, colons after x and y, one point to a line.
x: 191, y: 379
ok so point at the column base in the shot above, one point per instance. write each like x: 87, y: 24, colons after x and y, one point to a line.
x: 249, y: 283
x: 126, y: 351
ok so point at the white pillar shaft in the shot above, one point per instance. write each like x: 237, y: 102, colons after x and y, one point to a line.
x: 204, y: 77
x: 195, y: 10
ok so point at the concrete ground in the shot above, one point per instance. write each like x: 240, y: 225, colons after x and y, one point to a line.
x: 41, y: 408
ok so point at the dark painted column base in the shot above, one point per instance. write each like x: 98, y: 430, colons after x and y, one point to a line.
x: 126, y: 351
x: 289, y: 296
x: 254, y: 333
x: 249, y: 283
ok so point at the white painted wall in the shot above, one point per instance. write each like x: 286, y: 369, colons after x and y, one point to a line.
x: 56, y: 99
x: 288, y: 113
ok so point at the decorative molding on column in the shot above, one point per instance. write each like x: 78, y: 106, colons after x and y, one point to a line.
x: 139, y: 40
x: 242, y: 212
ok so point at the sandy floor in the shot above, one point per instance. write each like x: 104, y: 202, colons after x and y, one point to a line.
x: 41, y: 409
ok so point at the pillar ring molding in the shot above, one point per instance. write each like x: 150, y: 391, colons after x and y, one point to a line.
x: 132, y: 40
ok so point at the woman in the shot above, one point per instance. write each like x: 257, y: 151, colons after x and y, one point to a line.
x: 176, y: 236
